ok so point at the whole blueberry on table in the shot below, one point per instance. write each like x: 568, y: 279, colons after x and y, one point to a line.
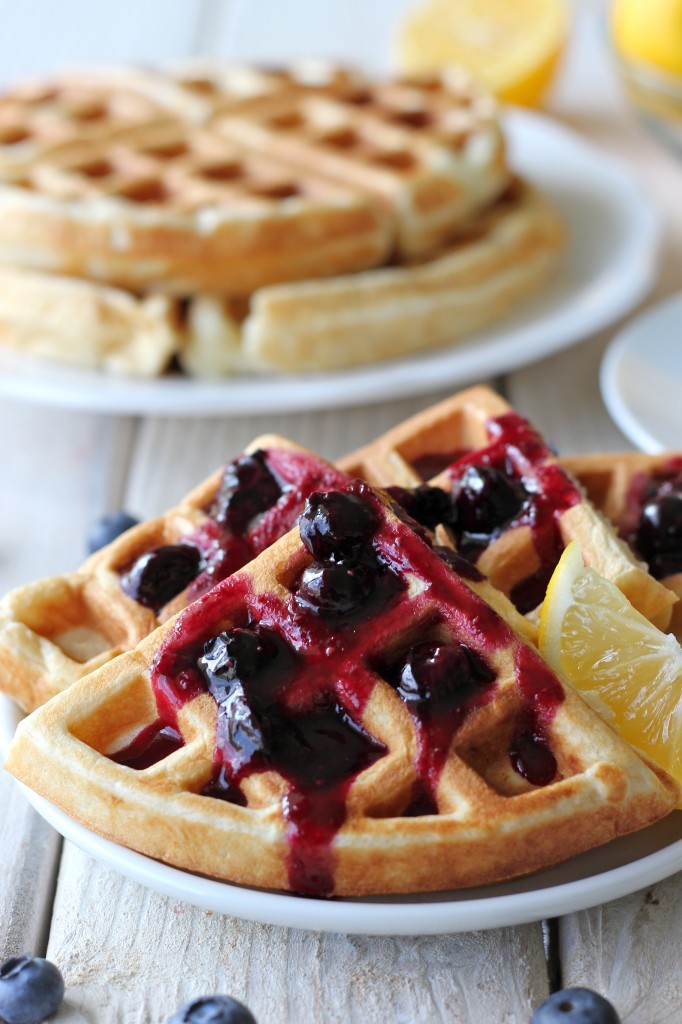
x: 213, y: 1010
x: 107, y: 528
x: 575, y: 1006
x: 31, y: 989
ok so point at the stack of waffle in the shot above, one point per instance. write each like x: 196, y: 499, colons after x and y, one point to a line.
x: 298, y: 681
x: 241, y: 219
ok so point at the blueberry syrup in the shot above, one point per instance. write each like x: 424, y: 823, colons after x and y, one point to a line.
x: 433, y: 463
x: 441, y: 683
x: 291, y: 687
x: 258, y: 501
x: 653, y: 520
x: 531, y: 757
x: 150, y: 746
x: 506, y: 485
x: 530, y: 753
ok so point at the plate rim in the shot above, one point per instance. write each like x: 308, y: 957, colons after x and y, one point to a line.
x: 417, y: 374
x: 626, y: 342
x: 413, y: 915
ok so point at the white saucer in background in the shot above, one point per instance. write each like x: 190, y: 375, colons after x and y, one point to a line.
x: 641, y: 378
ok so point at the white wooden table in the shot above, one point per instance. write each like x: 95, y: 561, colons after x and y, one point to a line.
x: 130, y: 956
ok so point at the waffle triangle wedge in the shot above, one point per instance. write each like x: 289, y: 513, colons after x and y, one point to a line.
x: 517, y: 504
x: 358, y: 722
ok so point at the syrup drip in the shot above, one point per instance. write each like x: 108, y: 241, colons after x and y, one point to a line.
x: 150, y: 746
x: 530, y: 752
x: 433, y: 463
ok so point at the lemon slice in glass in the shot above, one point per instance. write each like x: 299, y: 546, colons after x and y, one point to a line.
x: 511, y: 46
x: 625, y: 667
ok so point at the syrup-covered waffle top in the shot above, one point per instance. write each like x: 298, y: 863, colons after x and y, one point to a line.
x: 514, y: 507
x: 346, y: 715
x: 58, y: 629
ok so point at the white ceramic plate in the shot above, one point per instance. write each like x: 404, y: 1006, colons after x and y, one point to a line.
x: 641, y: 378
x: 608, y: 268
x: 615, y: 870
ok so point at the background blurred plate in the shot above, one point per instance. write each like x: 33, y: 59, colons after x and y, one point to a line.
x: 641, y: 378
x: 622, y: 867
x: 608, y: 268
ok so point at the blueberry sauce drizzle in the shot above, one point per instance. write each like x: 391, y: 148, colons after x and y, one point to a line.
x: 652, y: 523
x: 441, y: 683
x: 530, y: 753
x: 291, y: 687
x: 506, y: 485
x: 258, y: 500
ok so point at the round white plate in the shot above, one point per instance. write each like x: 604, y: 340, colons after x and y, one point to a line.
x: 641, y: 378
x: 615, y: 870
x: 608, y: 268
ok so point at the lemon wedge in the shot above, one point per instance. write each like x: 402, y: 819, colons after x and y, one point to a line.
x: 626, y: 668
x: 511, y: 46
x: 649, y: 31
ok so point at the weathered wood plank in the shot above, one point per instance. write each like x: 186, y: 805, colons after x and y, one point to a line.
x: 29, y: 851
x: 629, y: 951
x: 130, y: 956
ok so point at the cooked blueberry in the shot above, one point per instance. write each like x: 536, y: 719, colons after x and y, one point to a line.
x: 486, y: 500
x: 461, y: 565
x: 235, y: 654
x: 428, y: 505
x: 160, y: 574
x: 659, y: 534
x: 436, y: 675
x: 337, y: 589
x: 247, y: 489
x: 575, y: 1006
x: 108, y: 528
x: 213, y: 1010
x: 31, y: 989
x: 336, y: 523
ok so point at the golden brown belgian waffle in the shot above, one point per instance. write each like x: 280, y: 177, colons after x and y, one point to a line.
x: 430, y: 150
x: 404, y: 746
x: 545, y: 507
x: 59, y: 629
x: 88, y: 324
x: 383, y: 313
x: 173, y: 207
x: 622, y: 485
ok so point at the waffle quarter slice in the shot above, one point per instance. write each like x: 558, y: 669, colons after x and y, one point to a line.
x: 514, y: 505
x: 344, y: 716
x: 59, y: 629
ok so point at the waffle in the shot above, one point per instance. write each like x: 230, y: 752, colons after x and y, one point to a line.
x: 513, y: 519
x: 171, y: 206
x: 430, y: 150
x: 87, y: 324
x: 621, y: 485
x: 59, y: 629
x: 391, y: 739
x: 384, y: 313
x: 38, y: 116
